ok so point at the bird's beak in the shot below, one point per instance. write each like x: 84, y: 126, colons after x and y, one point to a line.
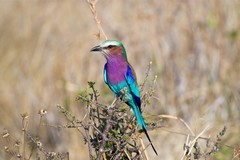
x: 96, y: 48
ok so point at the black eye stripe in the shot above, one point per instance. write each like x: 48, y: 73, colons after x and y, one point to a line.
x: 110, y: 46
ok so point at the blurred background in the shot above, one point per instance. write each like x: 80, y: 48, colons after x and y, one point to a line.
x: 193, y: 45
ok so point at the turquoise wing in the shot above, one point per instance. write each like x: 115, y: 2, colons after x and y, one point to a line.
x: 132, y: 84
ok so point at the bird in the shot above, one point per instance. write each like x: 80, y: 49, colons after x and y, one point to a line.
x: 120, y: 76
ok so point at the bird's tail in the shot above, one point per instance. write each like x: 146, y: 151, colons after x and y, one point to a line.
x: 142, y: 125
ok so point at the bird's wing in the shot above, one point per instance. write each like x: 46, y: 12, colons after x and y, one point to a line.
x: 131, y: 81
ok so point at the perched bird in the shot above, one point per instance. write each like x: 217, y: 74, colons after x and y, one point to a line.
x: 120, y: 77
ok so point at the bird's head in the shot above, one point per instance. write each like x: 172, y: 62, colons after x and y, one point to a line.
x: 110, y: 48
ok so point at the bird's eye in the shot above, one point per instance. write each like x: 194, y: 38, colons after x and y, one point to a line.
x: 110, y: 46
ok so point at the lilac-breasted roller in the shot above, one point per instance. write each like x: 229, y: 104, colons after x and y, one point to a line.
x: 119, y: 75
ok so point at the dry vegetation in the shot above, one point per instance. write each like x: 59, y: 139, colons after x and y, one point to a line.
x: 194, y: 47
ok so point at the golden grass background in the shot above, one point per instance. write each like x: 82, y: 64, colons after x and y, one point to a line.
x: 194, y: 47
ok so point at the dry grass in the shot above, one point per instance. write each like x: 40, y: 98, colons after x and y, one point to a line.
x: 194, y: 47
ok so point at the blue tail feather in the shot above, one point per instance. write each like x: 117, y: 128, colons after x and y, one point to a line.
x: 142, y: 124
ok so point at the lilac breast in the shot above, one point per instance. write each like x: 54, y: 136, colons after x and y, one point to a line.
x: 116, y: 69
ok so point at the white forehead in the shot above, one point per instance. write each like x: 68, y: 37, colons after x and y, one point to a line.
x: 108, y: 43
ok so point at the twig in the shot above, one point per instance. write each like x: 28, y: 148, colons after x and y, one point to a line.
x: 203, y: 138
x: 145, y: 98
x: 127, y: 154
x: 70, y: 118
x: 144, y: 149
x: 180, y: 119
x: 92, y: 6
x: 89, y: 144
x: 146, y: 76
x: 191, y: 143
x: 187, y: 142
x: 24, y: 128
x: 106, y: 130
